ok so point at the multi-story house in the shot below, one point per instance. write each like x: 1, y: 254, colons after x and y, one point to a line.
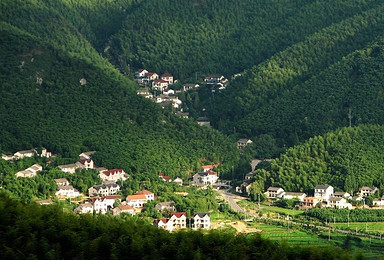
x: 323, y: 192
x: 274, y: 192
x: 105, y: 189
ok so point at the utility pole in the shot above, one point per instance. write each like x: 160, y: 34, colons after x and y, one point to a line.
x: 259, y: 200
x: 329, y: 234
x: 348, y: 218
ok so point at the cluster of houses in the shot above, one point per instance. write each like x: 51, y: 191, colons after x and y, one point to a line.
x: 324, y: 196
x: 65, y: 190
x: 165, y: 178
x: 27, y: 153
x: 205, y: 178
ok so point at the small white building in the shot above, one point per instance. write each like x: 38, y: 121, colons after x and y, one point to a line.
x: 30, y: 172
x: 201, y: 220
x: 105, y: 189
x: 378, y: 202
x: 136, y: 201
x: 366, y: 191
x: 323, y: 192
x: 168, y: 77
x: 242, y: 143
x: 149, y: 195
x: 61, y: 182
x: 113, y: 175
x: 274, y: 192
x: 164, y: 223
x: 67, y: 192
x: 102, y: 205
x: 179, y: 220
x: 205, y: 178
x: 178, y: 181
x: 70, y: 168
x: 339, y: 203
x: 85, y: 208
x: 342, y: 194
x: 294, y: 195
x: 25, y: 153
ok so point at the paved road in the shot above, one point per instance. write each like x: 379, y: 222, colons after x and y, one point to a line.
x: 230, y: 198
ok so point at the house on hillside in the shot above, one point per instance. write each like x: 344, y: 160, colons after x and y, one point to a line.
x: 24, y: 153
x: 187, y: 87
x: 85, y: 208
x: 105, y: 189
x: 338, y: 203
x: 30, y: 172
x: 366, y: 191
x: 242, y: 143
x: 205, y: 178
x: 140, y: 73
x: 323, y: 192
x: 104, y: 204
x: 149, y: 195
x: 167, y: 205
x: 167, y: 77
x: 136, y: 200
x: 245, y: 187
x: 201, y: 220
x: 310, y: 202
x: 86, y: 163
x: 165, y: 178
x: 163, y: 223
x: 113, y: 175
x: 178, y: 181
x: 294, y: 195
x: 342, y: 194
x: 204, y: 121
x: 379, y: 202
x: 87, y: 155
x: 121, y: 209
x: 70, y: 168
x: 61, y: 182
x: 145, y: 93
x: 274, y: 192
x: 159, y: 84
x: 150, y: 76
x: 249, y: 176
x: 179, y: 220
x: 67, y: 192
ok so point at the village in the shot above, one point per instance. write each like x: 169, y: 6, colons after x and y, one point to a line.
x: 105, y: 198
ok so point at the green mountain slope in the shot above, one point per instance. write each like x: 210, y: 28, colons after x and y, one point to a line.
x: 43, y: 103
x: 346, y: 159
x: 225, y: 37
x: 309, y: 88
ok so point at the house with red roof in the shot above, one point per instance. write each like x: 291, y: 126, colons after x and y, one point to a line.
x: 179, y: 219
x: 141, y: 73
x: 104, y: 204
x: 149, y: 195
x: 136, y: 200
x: 113, y: 175
x: 167, y: 77
x: 165, y: 178
x: 163, y: 223
x: 205, y: 178
x: 159, y: 84
x: 149, y: 76
x: 121, y: 209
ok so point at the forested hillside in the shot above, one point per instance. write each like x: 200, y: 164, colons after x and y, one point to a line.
x: 346, y: 159
x: 225, y: 37
x: 44, y: 57
x: 313, y: 86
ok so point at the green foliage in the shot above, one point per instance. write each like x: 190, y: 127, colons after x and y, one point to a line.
x: 341, y: 215
x: 346, y: 159
x: 47, y: 232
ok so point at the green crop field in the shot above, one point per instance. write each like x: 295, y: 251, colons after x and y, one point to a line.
x: 372, y: 227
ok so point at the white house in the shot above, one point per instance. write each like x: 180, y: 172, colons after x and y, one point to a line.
x: 274, y: 192
x: 104, y: 204
x: 342, y: 194
x: 113, y: 175
x: 366, y: 191
x: 167, y: 77
x: 145, y: 93
x: 244, y: 187
x: 30, y: 172
x: 201, y: 220
x: 61, y: 182
x: 178, y: 181
x: 149, y: 76
x: 123, y: 209
x: 378, y: 202
x: 141, y: 73
x: 179, y: 220
x: 70, y: 168
x: 167, y: 205
x: 136, y: 201
x: 323, y: 192
x: 87, y: 155
x: 294, y: 195
x: 339, y: 203
x: 85, y: 208
x: 104, y: 189
x: 67, y: 192
x: 149, y: 195
x: 86, y: 163
x: 205, y: 178
x: 159, y: 84
x: 187, y: 87
x: 242, y: 143
x: 164, y: 223
x: 25, y: 153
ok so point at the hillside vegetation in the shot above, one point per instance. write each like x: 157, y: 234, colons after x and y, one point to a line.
x: 346, y: 159
x: 44, y: 56
x: 33, y: 231
x: 310, y: 87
